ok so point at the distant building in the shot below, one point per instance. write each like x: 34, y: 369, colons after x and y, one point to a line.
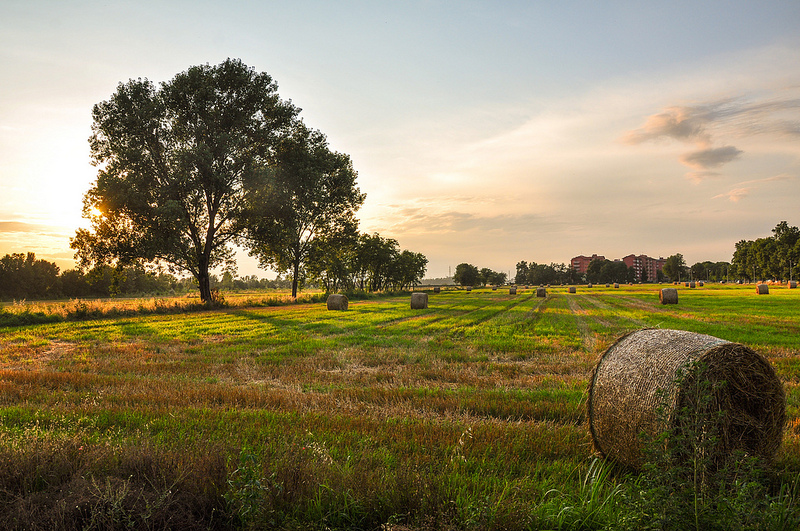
x: 645, y: 264
x: 581, y: 263
x: 641, y: 264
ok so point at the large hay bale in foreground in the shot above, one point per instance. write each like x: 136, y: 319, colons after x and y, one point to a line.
x: 668, y: 296
x: 541, y: 292
x: 636, y: 377
x: 337, y: 301
x: 419, y: 301
x: 762, y: 289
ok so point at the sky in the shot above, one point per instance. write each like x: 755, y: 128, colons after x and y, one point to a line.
x: 486, y: 132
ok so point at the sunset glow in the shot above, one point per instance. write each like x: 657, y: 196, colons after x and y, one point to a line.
x: 482, y: 132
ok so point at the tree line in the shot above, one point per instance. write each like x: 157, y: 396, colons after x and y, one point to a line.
x: 773, y: 257
x: 215, y: 158
x: 24, y: 277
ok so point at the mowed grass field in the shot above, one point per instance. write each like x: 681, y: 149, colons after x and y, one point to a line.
x: 468, y: 414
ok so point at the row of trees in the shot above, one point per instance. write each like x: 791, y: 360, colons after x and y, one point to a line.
x: 470, y: 275
x: 368, y: 262
x: 773, y: 257
x: 24, y: 277
x: 537, y: 274
x: 212, y: 158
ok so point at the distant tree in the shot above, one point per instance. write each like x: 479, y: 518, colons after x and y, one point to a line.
x: 521, y: 276
x: 23, y: 276
x: 176, y: 163
x: 312, y: 194
x: 675, y: 267
x: 466, y: 275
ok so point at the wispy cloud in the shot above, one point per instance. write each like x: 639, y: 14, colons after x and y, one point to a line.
x: 710, y: 158
x: 706, y: 124
x: 745, y: 188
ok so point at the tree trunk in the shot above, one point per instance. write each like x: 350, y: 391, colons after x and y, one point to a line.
x: 204, y: 283
x: 295, y: 273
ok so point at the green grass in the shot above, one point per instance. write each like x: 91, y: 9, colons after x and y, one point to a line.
x: 469, y: 414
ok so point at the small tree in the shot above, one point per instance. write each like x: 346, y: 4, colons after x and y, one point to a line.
x: 466, y: 275
x: 311, y: 194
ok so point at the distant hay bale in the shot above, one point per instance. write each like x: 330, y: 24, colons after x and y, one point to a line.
x: 589, y: 285
x: 437, y: 289
x: 692, y: 285
x: 668, y: 296
x: 762, y: 289
x: 636, y: 378
x: 512, y: 291
x: 616, y: 286
x: 701, y: 283
x: 685, y: 284
x: 572, y: 289
x: 792, y: 284
x: 419, y: 301
x: 494, y: 288
x: 337, y: 301
x: 608, y: 285
x: 469, y: 288
x: 541, y: 292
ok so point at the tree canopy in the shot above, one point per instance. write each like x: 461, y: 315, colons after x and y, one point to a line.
x: 311, y: 196
x: 175, y: 164
x: 773, y: 257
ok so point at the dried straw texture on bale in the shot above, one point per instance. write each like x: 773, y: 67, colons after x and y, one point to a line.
x: 572, y: 289
x: 337, y: 301
x: 541, y: 292
x: 512, y: 291
x: 636, y: 377
x: 762, y: 289
x: 419, y: 301
x: 668, y: 296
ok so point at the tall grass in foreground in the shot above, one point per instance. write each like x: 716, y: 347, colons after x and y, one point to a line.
x: 467, y: 415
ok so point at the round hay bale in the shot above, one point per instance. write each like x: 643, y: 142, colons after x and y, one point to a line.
x: 494, y: 288
x: 616, y: 286
x: 608, y: 285
x: 337, y: 301
x: 541, y: 292
x: 692, y: 285
x: 572, y: 289
x: 419, y: 301
x: 437, y: 289
x: 512, y: 291
x: 668, y: 296
x: 701, y: 283
x: 792, y: 284
x: 634, y: 390
x: 762, y: 289
x: 469, y: 288
x: 589, y: 285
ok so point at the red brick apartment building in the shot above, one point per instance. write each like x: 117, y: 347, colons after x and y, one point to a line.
x: 641, y: 263
x: 581, y: 263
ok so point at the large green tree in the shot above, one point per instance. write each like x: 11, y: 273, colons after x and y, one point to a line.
x: 674, y: 267
x: 310, y: 197
x: 176, y: 162
x: 466, y: 275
